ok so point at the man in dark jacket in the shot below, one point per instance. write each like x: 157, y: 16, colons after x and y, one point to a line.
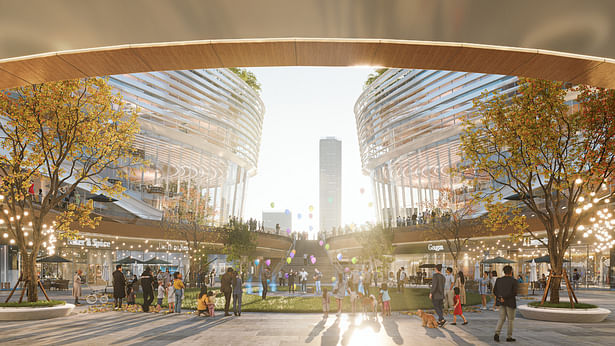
x: 265, y: 277
x: 225, y: 287
x: 505, y: 291
x: 147, y: 284
x: 119, y: 286
x: 436, y: 294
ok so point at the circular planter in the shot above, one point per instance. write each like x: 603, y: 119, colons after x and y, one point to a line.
x: 563, y: 314
x: 27, y: 313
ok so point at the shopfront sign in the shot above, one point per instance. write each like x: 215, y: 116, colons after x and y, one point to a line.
x: 432, y: 247
x: 90, y: 243
x: 529, y: 241
x: 171, y: 247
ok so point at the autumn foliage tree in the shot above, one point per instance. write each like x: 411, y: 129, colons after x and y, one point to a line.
x: 68, y: 132
x: 457, y: 221
x: 556, y: 158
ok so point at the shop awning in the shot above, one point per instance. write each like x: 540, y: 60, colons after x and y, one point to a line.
x: 427, y: 265
x: 129, y: 260
x: 156, y: 260
x: 102, y: 198
x: 53, y: 259
x: 543, y: 259
x: 497, y: 260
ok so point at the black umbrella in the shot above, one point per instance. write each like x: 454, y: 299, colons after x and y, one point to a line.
x: 498, y: 259
x: 427, y: 265
x: 543, y: 259
x: 156, y: 260
x: 54, y: 259
x: 102, y: 198
x: 129, y: 260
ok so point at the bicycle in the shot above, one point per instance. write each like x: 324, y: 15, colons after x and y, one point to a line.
x: 95, y: 296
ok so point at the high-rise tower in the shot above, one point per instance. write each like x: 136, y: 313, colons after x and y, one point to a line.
x: 330, y: 183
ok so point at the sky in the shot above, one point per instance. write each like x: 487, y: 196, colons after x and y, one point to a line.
x: 303, y: 105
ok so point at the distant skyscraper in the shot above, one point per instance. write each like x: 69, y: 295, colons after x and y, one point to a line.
x: 330, y: 183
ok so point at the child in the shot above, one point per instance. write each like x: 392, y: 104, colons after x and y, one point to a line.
x: 354, y: 296
x: 458, y: 310
x: 386, y: 300
x: 161, y: 293
x: 130, y: 293
x: 202, y: 303
x: 211, y: 303
x: 171, y: 297
x: 325, y: 302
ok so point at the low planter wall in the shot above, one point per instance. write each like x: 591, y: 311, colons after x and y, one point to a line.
x: 563, y: 314
x: 42, y: 313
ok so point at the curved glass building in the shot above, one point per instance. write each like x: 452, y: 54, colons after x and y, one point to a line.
x: 200, y: 134
x: 408, y: 124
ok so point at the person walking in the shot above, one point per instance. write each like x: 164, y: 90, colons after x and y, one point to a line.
x: 460, y: 282
x: 436, y: 294
x: 167, y: 277
x: 237, y: 294
x: 483, y: 289
x: 401, y: 281
x: 305, y: 259
x: 576, y: 277
x: 494, y: 277
x: 77, y: 286
x: 119, y: 287
x: 303, y: 275
x: 178, y: 287
x: 281, y: 278
x: 339, y: 292
x: 317, y: 278
x: 458, y: 311
x: 449, y: 284
x: 162, y: 292
x: 505, y: 291
x: 225, y: 287
x: 147, y: 285
x: 265, y: 277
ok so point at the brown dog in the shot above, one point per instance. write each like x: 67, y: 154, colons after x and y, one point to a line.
x: 368, y: 303
x: 428, y: 319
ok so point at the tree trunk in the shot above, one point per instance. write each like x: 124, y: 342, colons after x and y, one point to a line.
x: 556, y: 268
x: 30, y: 276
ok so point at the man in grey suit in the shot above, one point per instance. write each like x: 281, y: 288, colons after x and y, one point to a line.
x: 436, y: 294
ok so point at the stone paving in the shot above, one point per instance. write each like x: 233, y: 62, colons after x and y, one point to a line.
x: 122, y: 328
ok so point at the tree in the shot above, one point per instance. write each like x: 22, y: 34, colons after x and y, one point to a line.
x: 457, y: 221
x: 240, y: 243
x: 187, y: 219
x: 373, y: 76
x: 68, y: 132
x: 557, y: 159
x: 376, y: 245
x: 248, y: 77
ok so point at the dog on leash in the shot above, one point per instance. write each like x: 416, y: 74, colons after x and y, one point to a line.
x: 368, y: 302
x: 428, y: 319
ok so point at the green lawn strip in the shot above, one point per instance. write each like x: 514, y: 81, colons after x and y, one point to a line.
x: 37, y: 304
x: 562, y: 305
x: 412, y: 299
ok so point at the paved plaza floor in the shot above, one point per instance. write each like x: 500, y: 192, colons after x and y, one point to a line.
x: 123, y: 328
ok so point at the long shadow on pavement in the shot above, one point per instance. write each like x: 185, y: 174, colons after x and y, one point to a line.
x: 319, y: 327
x: 332, y: 335
x: 168, y: 335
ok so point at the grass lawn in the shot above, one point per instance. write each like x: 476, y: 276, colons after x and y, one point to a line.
x: 38, y: 304
x: 562, y: 305
x: 412, y: 299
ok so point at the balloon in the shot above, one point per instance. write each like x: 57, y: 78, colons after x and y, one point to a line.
x: 268, y: 262
x: 299, y: 216
x: 327, y: 247
x: 287, y: 212
x: 288, y: 260
x: 362, y: 190
x: 333, y: 278
x: 370, y: 204
x: 292, y: 255
x: 286, y: 275
x: 256, y: 262
x: 321, y: 242
x: 330, y: 199
x: 293, y: 251
x: 310, y: 215
x: 313, y: 259
x: 311, y: 208
x: 339, y: 256
x: 272, y: 205
x: 288, y: 230
x: 267, y: 280
x: 346, y: 269
x: 353, y: 260
x: 311, y: 228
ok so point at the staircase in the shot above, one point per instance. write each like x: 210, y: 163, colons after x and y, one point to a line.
x: 323, y: 262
